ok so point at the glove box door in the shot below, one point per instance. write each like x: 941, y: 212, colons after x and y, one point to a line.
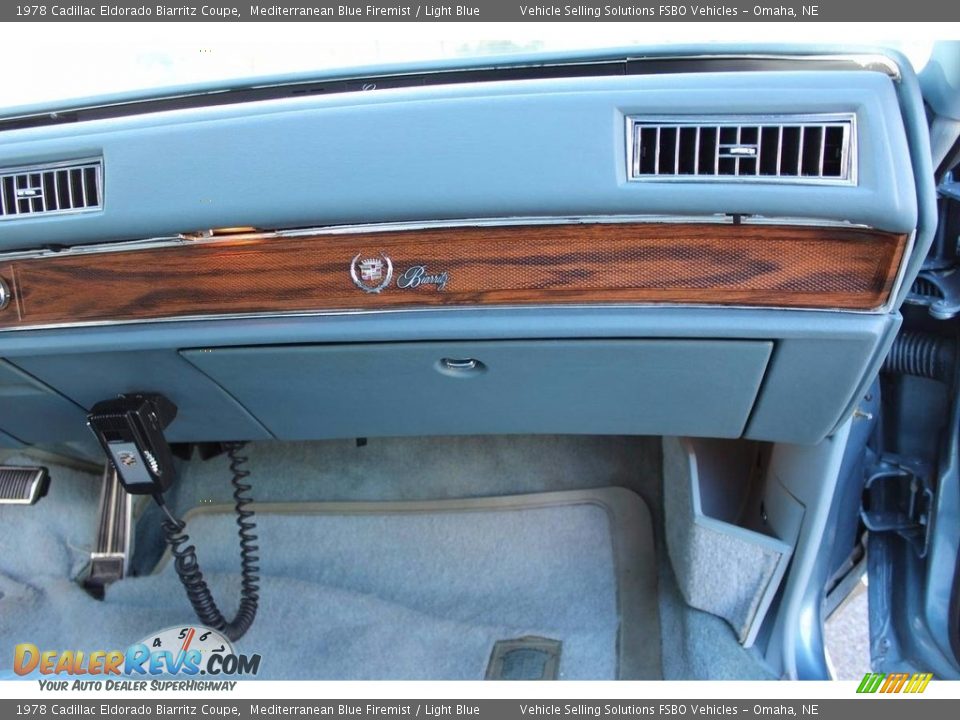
x: 644, y: 387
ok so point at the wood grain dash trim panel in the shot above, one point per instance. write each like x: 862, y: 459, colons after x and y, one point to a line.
x: 622, y: 263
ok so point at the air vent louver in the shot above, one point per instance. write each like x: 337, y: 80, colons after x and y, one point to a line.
x: 808, y: 149
x: 52, y: 188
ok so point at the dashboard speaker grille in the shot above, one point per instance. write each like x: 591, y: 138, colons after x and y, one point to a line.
x: 807, y: 149
x: 51, y: 188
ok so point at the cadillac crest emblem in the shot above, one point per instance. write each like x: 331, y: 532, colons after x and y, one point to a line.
x: 371, y: 274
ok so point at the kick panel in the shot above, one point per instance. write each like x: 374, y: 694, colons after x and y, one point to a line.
x: 35, y: 412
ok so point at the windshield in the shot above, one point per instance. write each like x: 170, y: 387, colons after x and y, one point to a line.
x: 123, y: 57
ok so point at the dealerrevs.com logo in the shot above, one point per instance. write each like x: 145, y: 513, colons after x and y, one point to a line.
x: 888, y: 683
x: 189, y: 652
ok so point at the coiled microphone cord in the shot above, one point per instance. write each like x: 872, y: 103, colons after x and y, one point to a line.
x: 188, y: 567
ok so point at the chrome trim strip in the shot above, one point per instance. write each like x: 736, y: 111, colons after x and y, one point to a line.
x: 872, y: 62
x: 44, y: 166
x: 901, y: 272
x: 411, y: 225
x: 717, y: 218
x: 853, y: 148
x: 442, y: 309
x: 849, y: 158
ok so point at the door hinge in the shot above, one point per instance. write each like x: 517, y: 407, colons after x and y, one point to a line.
x: 898, y: 497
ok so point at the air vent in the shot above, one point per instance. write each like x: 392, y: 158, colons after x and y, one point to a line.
x: 52, y: 188
x: 787, y: 149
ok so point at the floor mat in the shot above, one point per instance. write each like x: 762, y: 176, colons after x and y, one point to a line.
x: 425, y: 590
x: 408, y: 590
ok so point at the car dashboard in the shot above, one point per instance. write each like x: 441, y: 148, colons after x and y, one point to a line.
x: 680, y: 245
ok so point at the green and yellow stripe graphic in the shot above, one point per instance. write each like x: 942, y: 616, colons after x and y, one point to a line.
x: 894, y: 682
